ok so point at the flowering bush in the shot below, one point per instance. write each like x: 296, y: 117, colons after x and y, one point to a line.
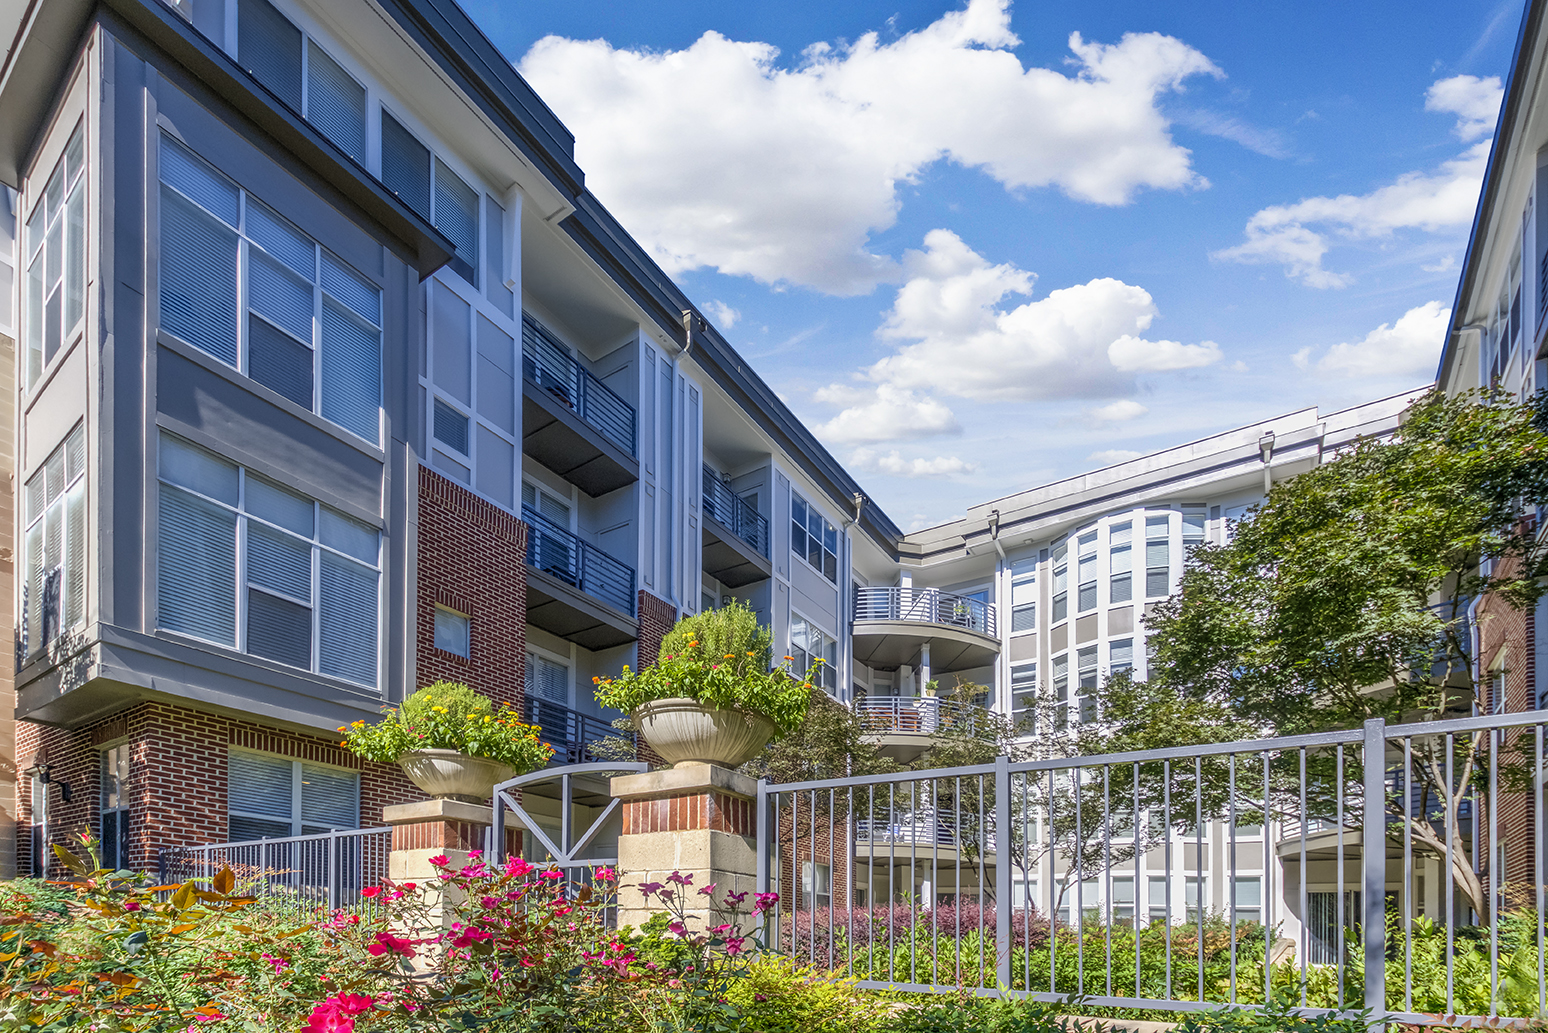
x: 450, y: 716
x: 721, y: 658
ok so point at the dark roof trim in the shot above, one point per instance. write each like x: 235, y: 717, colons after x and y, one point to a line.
x: 425, y: 246
x: 611, y: 247
x: 444, y: 31
x: 1515, y: 93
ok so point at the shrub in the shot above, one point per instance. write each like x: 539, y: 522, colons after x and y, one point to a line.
x: 450, y: 716
x: 776, y: 995
x: 721, y: 658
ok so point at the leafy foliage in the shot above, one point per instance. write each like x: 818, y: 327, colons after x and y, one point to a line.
x: 721, y: 658
x: 450, y: 716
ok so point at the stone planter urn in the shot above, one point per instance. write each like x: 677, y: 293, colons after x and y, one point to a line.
x: 684, y: 731
x: 449, y: 775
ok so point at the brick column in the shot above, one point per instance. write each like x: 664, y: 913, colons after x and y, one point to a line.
x: 697, y: 819
x: 434, y: 828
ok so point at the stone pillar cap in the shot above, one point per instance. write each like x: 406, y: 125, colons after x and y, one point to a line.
x: 445, y: 810
x: 682, y: 780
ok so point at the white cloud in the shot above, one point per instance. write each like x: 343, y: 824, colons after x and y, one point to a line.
x: 883, y: 413
x: 894, y: 463
x: 1116, y: 412
x: 1409, y: 347
x: 1080, y: 341
x: 1298, y: 235
x: 718, y: 156
x: 1475, y: 102
x: 724, y: 315
x: 1113, y: 456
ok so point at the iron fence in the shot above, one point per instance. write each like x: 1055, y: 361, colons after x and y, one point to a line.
x: 925, y: 605
x: 549, y: 364
x: 555, y: 551
x: 735, y: 513
x: 924, y: 715
x: 573, y: 735
x: 1187, y: 878
x: 324, y: 870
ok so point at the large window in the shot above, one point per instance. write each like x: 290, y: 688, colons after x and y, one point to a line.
x: 245, y: 286
x: 1024, y: 595
x: 471, y: 390
x: 808, y: 644
x: 1120, y: 558
x: 1194, y: 519
x: 1086, y: 659
x: 812, y: 538
x: 1120, y: 655
x: 425, y: 183
x: 273, y: 797
x: 1061, y: 690
x: 248, y: 563
x: 55, y: 521
x: 1024, y: 694
x: 55, y: 259
x: 300, y: 73
x: 1061, y: 581
x: 1158, y: 553
x: 116, y: 843
x: 1086, y: 568
x: 547, y: 679
x: 1123, y: 900
x: 1248, y: 899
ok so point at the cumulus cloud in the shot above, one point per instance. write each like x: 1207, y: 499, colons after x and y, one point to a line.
x: 894, y: 463
x: 883, y: 413
x: 1298, y: 235
x: 1080, y: 341
x: 1409, y: 347
x: 724, y: 315
x: 1117, y: 412
x: 1475, y: 102
x: 719, y: 156
x: 1113, y: 456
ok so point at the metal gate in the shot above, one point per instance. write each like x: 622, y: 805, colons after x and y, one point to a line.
x: 569, y: 812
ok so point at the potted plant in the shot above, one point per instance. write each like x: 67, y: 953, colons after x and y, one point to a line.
x: 713, y: 696
x: 451, y: 742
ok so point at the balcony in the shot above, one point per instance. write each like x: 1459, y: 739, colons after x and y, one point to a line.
x: 904, y: 727
x: 892, y: 625
x: 573, y: 423
x: 573, y: 735
x: 576, y: 590
x: 736, y: 536
x: 924, y: 828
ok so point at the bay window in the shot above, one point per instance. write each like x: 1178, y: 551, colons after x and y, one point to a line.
x: 54, y: 516
x: 247, y: 563
x: 55, y: 260
x: 808, y: 644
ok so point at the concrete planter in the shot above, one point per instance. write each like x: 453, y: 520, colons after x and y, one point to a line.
x: 449, y: 775
x: 684, y: 731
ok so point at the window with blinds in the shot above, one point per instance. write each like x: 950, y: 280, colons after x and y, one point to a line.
x: 429, y: 186
x: 274, y: 797
x: 117, y: 846
x: 307, y: 326
x: 471, y: 386
x: 54, y: 299
x: 1158, y: 553
x: 1024, y: 694
x: 1086, y: 571
x: 1024, y: 596
x: 54, y: 517
x: 1061, y: 580
x: 1120, y: 562
x: 298, y: 71
x: 308, y: 594
x: 547, y: 679
x: 453, y: 632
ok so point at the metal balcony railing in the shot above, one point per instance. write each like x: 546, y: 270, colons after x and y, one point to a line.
x: 924, y: 715
x: 925, y: 605
x: 926, y: 828
x: 571, y: 733
x: 555, y: 551
x: 548, y: 363
x: 325, y: 870
x: 735, y: 513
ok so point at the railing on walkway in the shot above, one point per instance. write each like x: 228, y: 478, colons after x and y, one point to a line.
x: 925, y: 605
x: 1386, y: 867
x: 573, y: 735
x: 326, y: 870
x: 924, y: 715
x: 554, y: 550
x: 735, y: 513
x: 548, y: 364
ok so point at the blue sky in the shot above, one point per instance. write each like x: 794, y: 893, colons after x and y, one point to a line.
x: 980, y: 245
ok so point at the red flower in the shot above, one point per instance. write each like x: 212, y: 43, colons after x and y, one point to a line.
x: 386, y: 942
x: 371, y: 891
x: 439, y: 860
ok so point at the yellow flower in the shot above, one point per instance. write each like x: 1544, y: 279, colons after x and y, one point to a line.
x: 487, y: 720
x: 751, y: 653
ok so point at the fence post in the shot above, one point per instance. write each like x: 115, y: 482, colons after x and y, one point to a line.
x: 762, y: 847
x: 1373, y: 852
x: 1003, y: 845
x: 333, y: 870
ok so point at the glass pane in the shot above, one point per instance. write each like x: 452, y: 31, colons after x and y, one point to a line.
x: 196, y: 576
x: 1120, y: 533
x: 329, y: 797
x: 456, y: 215
x: 348, y: 620
x: 278, y: 237
x: 405, y: 165
x: 279, y: 362
x: 351, y: 372
x: 74, y: 156
x: 198, y: 278
x: 352, y: 289
x: 1157, y: 582
x: 75, y: 556
x: 244, y: 829
x: 451, y: 635
x: 279, y: 295
x: 451, y: 427
x: 260, y: 785
x: 279, y: 562
x: 34, y: 315
x: 189, y: 174
x: 75, y: 260
x: 269, y: 49
x: 193, y: 467
x: 278, y: 629
x: 1121, y: 558
x: 278, y: 505
x: 1122, y: 589
x: 350, y: 537
x: 1156, y: 553
x: 335, y: 103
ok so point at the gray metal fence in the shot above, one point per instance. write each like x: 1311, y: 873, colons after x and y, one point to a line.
x: 1187, y: 878
x: 325, y: 870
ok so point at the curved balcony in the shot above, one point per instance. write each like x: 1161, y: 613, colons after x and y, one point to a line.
x: 892, y: 624
x: 903, y: 727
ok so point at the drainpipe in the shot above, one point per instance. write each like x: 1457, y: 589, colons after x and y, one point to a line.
x: 1266, y: 451
x: 847, y: 691
x: 994, y: 533
x: 691, y: 322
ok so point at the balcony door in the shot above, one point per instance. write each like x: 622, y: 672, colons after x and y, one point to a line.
x: 553, y: 548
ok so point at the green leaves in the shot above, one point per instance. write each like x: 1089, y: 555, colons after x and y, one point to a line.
x: 450, y: 716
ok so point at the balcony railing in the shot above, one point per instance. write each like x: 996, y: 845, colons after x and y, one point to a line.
x: 926, y: 828
x: 549, y: 364
x: 925, y: 715
x: 926, y: 605
x: 735, y: 513
x: 573, y: 735
x: 555, y: 551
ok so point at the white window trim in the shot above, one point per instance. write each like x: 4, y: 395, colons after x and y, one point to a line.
x: 296, y: 823
x: 568, y: 663
x: 27, y: 205
x: 838, y: 574
x: 812, y: 625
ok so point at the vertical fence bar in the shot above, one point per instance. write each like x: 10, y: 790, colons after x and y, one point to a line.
x: 811, y: 895
x: 1231, y: 867
x: 1078, y: 864
x: 765, y: 846
x: 1338, y: 796
x: 1004, y: 843
x: 1141, y: 893
x: 1408, y: 873
x: 1268, y: 890
x: 1107, y: 872
x: 1494, y: 866
x: 1374, y: 855
x: 1198, y: 866
x: 1451, y: 877
x: 1537, y: 862
x: 983, y: 872
x: 832, y: 868
x: 1305, y: 944
x: 1166, y: 809
x: 333, y: 871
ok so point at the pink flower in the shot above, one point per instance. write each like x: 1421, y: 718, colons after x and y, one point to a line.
x: 371, y: 891
x: 764, y: 901
x: 386, y: 942
x: 680, y: 879
x: 489, y: 903
x: 552, y: 873
x: 527, y: 963
x: 677, y: 929
x: 408, y: 887
x: 604, y: 875
x: 466, y: 935
x: 439, y: 861
x: 707, y: 890
x: 278, y: 964
x: 735, y: 945
x: 133, y: 905
x: 516, y: 867
x: 735, y: 899
x: 650, y: 889
x: 721, y: 930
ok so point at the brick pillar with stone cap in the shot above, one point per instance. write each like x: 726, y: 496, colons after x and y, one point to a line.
x: 696, y: 819
x: 436, y: 828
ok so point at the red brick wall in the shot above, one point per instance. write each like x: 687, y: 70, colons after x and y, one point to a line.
x: 718, y: 812
x: 656, y: 619
x: 177, y: 775
x: 472, y: 559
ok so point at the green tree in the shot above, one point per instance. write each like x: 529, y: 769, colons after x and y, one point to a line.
x: 1345, y: 596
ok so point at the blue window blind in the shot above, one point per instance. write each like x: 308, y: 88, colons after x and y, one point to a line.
x: 451, y: 427
x: 405, y: 165
x: 351, y: 371
x: 196, y: 567
x: 335, y: 103
x: 347, y: 619
x: 330, y: 799
x: 269, y: 49
x: 456, y: 215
